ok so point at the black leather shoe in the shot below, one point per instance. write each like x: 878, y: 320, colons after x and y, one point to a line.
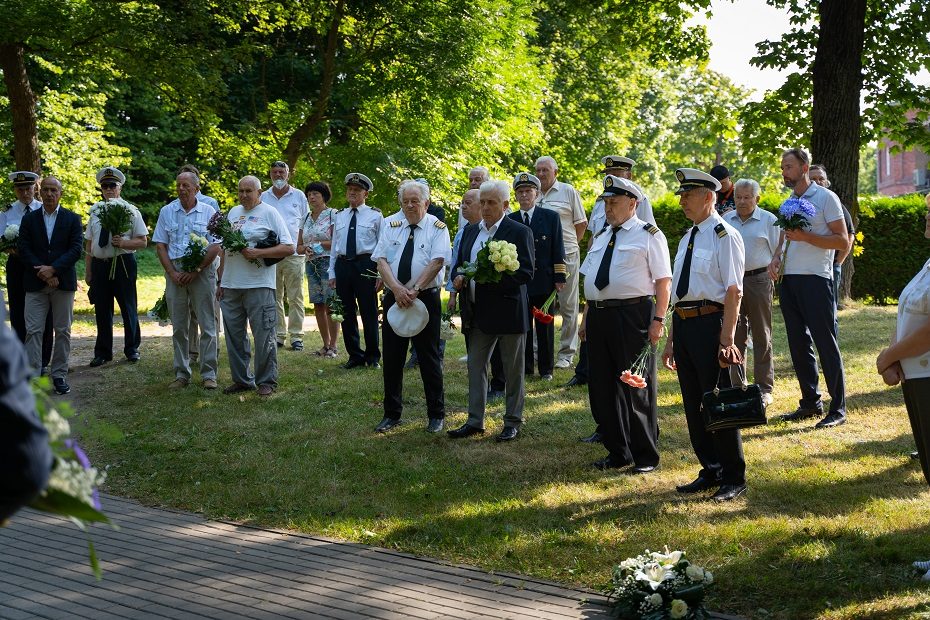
x: 353, y: 364
x: 435, y: 425
x: 464, y: 431
x: 546, y: 377
x: 411, y: 364
x: 132, y: 358
x: 495, y: 394
x: 608, y: 463
x: 61, y: 386
x: 98, y: 361
x: 508, y: 434
x: 801, y: 413
x: 831, y: 419
x: 643, y: 469
x: 373, y: 364
x: 915, y: 455
x: 594, y: 437
x: 387, y: 424
x: 700, y: 484
x: 727, y: 492
x: 575, y: 381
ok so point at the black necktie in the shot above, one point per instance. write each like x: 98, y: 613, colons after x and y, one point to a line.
x: 526, y: 218
x: 406, y: 258
x: 684, y: 281
x: 603, y: 272
x: 350, y: 240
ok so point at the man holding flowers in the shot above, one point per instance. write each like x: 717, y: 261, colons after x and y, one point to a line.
x: 812, y: 219
x: 493, y: 266
x: 188, y: 287
x: 627, y: 279
x: 110, y: 266
x: 550, y: 274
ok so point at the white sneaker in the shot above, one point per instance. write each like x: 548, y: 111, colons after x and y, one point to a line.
x: 922, y: 565
x: 563, y: 363
x: 767, y: 399
x: 464, y: 358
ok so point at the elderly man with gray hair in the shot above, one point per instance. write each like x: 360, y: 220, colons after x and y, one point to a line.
x: 247, y: 289
x: 565, y: 201
x: 760, y: 232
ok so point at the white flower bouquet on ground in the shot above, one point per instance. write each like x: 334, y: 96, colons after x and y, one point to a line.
x: 656, y: 586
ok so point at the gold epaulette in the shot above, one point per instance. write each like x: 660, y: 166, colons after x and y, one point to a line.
x: 439, y: 224
x: 651, y: 228
x: 396, y: 223
x: 721, y: 230
x: 560, y: 268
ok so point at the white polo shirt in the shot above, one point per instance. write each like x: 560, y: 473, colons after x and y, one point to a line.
x: 802, y: 258
x: 564, y: 200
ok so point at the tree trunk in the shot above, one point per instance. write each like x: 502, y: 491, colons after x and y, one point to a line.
x: 22, y: 108
x: 303, y: 132
x: 837, y: 80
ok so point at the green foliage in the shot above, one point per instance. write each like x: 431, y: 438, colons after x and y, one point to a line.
x: 894, y: 246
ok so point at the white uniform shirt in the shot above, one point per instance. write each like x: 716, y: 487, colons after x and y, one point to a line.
x: 913, y: 313
x: 639, y: 258
x: 175, y: 225
x: 760, y: 233
x: 717, y: 262
x: 255, y: 224
x: 430, y: 242
x: 368, y: 222
x: 565, y: 201
x: 14, y: 215
x: 801, y: 257
x: 598, y: 219
x: 292, y: 206
x: 92, y: 232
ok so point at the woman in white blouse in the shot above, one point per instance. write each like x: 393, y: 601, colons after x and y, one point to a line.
x: 315, y: 240
x: 907, y: 361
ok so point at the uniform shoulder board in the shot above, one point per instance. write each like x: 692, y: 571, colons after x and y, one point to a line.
x: 396, y: 223
x: 439, y: 224
x: 651, y: 229
x: 600, y: 232
x: 721, y: 230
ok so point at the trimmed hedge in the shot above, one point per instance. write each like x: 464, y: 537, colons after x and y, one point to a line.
x: 893, y: 244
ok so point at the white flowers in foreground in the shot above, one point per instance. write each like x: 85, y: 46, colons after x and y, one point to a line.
x: 658, y: 585
x: 71, y: 478
x: 11, y: 232
x: 503, y: 255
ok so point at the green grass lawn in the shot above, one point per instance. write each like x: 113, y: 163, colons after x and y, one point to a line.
x: 828, y: 528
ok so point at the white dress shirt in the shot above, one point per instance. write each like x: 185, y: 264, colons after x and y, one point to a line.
x: 598, y: 219
x: 485, y: 234
x: 638, y: 259
x: 92, y: 232
x: 760, y: 233
x: 368, y: 223
x: 430, y: 242
x: 14, y: 215
x: 717, y: 262
x: 50, y: 219
x: 175, y: 225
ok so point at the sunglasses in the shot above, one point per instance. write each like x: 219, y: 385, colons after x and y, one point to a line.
x: 108, y: 185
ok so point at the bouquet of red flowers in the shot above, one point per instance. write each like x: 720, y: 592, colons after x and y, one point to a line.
x: 542, y: 314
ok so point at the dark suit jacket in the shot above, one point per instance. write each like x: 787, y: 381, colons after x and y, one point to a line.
x: 550, y: 251
x: 503, y: 307
x: 61, y: 253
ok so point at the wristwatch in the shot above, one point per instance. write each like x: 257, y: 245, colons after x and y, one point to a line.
x: 660, y: 319
x: 199, y: 269
x: 417, y: 288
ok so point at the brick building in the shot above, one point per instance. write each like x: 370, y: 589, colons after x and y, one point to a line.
x: 904, y: 172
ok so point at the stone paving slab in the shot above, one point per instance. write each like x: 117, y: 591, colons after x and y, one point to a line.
x: 167, y: 564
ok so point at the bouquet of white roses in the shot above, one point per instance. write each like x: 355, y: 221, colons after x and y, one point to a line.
x: 10, y: 238
x: 336, y: 309
x: 495, y: 259
x: 194, y: 254
x: 72, y: 486
x: 655, y: 586
x: 447, y: 328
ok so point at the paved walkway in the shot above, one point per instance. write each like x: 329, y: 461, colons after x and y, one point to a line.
x: 165, y: 564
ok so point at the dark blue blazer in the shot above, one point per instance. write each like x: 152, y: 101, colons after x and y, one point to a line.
x: 550, y: 251
x: 61, y: 253
x: 503, y: 307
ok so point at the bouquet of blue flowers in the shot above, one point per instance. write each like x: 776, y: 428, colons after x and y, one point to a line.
x: 793, y: 214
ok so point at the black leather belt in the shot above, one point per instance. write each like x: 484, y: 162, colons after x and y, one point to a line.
x: 755, y: 272
x: 357, y: 257
x: 616, y: 303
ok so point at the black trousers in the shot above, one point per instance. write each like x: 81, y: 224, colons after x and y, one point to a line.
x: 121, y: 288
x: 498, y: 381
x: 16, y: 295
x: 426, y: 344
x: 581, y: 368
x: 695, y: 345
x: 626, y: 416
x: 810, y: 319
x: 355, y: 285
x: 917, y: 401
x: 545, y: 338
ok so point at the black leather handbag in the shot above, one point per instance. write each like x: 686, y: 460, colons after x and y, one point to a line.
x: 269, y: 241
x: 733, y: 407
